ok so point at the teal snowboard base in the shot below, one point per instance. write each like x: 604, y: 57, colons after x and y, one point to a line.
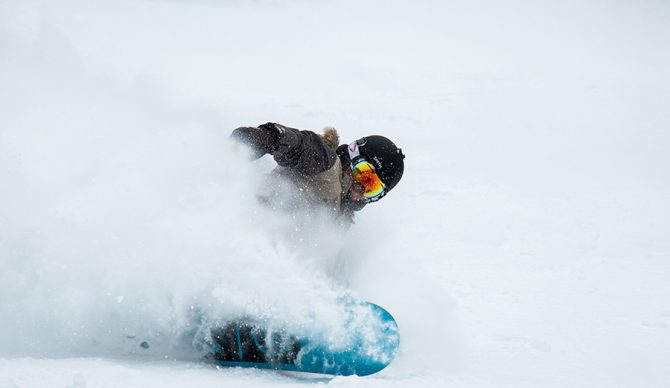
x: 371, y: 343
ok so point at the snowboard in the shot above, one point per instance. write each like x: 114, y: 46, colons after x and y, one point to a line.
x: 370, y: 342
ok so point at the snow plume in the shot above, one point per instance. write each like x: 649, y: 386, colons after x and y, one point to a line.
x: 127, y: 217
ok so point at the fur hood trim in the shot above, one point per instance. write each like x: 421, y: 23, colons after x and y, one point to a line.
x: 330, y: 137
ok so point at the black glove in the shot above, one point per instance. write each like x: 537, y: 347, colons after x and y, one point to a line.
x: 262, y: 140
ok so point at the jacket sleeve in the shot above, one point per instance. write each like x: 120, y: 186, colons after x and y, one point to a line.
x: 302, y: 151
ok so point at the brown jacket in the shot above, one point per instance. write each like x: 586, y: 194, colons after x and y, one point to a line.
x: 311, y: 164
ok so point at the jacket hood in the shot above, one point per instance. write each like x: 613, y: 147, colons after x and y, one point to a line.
x: 330, y: 137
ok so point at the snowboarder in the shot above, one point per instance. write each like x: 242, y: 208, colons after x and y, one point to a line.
x: 341, y: 178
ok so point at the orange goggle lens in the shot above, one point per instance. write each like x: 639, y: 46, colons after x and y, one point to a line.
x: 364, y: 173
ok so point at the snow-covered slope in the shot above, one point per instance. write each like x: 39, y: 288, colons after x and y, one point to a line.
x: 526, y: 246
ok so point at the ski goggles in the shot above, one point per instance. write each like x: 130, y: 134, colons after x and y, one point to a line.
x: 364, y: 174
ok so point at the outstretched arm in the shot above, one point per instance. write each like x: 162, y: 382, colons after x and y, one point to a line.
x: 303, y: 151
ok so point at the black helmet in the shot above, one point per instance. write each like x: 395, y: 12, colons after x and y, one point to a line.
x: 385, y: 156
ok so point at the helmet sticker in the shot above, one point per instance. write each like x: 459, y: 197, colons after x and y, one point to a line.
x: 354, y: 152
x: 378, y: 162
